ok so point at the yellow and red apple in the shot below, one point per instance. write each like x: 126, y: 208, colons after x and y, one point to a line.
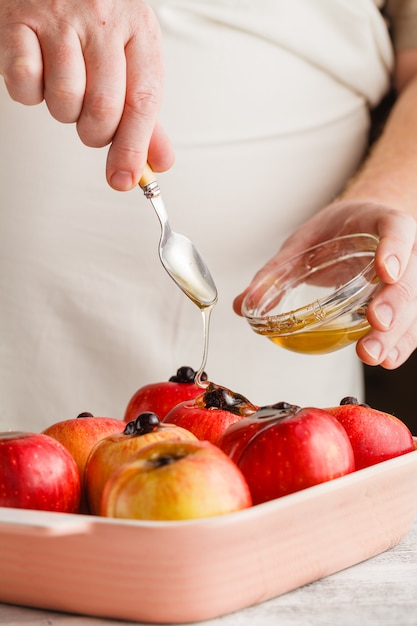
x: 81, y: 433
x: 176, y: 480
x: 112, y: 451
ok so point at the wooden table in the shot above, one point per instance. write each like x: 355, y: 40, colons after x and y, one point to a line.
x: 379, y: 592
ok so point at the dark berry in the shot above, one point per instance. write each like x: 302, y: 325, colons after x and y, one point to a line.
x: 146, y: 422
x: 186, y: 375
x: 349, y: 400
x: 85, y: 414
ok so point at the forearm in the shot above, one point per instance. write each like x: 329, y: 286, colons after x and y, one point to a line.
x: 388, y: 175
x: 380, y: 199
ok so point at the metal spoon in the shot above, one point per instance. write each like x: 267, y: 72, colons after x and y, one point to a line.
x: 178, y: 254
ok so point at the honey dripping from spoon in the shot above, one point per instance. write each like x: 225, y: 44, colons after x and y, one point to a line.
x: 206, y: 315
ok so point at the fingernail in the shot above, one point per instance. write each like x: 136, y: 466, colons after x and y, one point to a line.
x: 122, y: 180
x: 392, y: 265
x: 384, y: 315
x: 373, y: 348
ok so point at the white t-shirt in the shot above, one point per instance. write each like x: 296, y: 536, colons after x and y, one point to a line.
x: 267, y: 106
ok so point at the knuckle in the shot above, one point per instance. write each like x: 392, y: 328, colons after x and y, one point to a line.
x: 406, y: 225
x: 103, y: 108
x: 64, y: 91
x: 408, y: 220
x: 21, y: 69
x: 401, y: 351
x: 405, y: 291
x: 143, y: 104
x: 24, y: 82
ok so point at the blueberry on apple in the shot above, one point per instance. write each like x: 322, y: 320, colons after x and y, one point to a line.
x: 160, y: 397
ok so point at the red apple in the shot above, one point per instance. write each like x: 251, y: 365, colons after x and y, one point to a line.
x: 160, y: 397
x: 375, y: 435
x: 210, y: 413
x: 112, y: 451
x: 234, y: 439
x: 37, y: 472
x: 290, y: 452
x: 178, y: 480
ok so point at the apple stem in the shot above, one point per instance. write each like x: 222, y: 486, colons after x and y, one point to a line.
x: 163, y: 460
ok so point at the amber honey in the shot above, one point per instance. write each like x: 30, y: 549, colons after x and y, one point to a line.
x: 206, y: 313
x: 316, y: 301
x: 322, y: 339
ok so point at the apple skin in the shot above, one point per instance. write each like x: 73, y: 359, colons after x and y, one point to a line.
x: 160, y: 397
x: 180, y: 480
x: 375, y: 436
x: 112, y: 451
x: 81, y: 433
x: 234, y: 439
x: 289, y: 453
x: 37, y: 472
x: 211, y: 412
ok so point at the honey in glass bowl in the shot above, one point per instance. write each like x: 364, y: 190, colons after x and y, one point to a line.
x: 316, y: 301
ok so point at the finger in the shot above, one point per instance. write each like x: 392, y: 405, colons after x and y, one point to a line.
x: 402, y: 350
x: 160, y: 154
x: 396, y: 302
x: 64, y: 75
x: 105, y: 91
x: 377, y: 346
x: 129, y: 150
x: 397, y: 234
x: 237, y: 302
x: 21, y: 65
x: 393, y: 356
x: 392, y: 314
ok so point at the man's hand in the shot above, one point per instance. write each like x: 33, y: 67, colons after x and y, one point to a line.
x: 96, y: 63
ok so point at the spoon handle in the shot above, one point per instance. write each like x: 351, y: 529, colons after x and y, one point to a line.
x: 147, y: 177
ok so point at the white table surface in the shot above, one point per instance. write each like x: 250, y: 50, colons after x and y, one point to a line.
x: 379, y: 592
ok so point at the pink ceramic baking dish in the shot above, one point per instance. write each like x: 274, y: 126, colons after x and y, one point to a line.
x: 176, y: 572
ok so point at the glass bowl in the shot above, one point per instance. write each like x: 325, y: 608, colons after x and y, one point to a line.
x: 316, y: 301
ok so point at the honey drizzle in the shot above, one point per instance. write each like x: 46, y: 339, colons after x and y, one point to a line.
x: 206, y: 314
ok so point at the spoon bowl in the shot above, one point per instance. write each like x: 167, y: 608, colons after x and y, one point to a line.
x: 177, y: 253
